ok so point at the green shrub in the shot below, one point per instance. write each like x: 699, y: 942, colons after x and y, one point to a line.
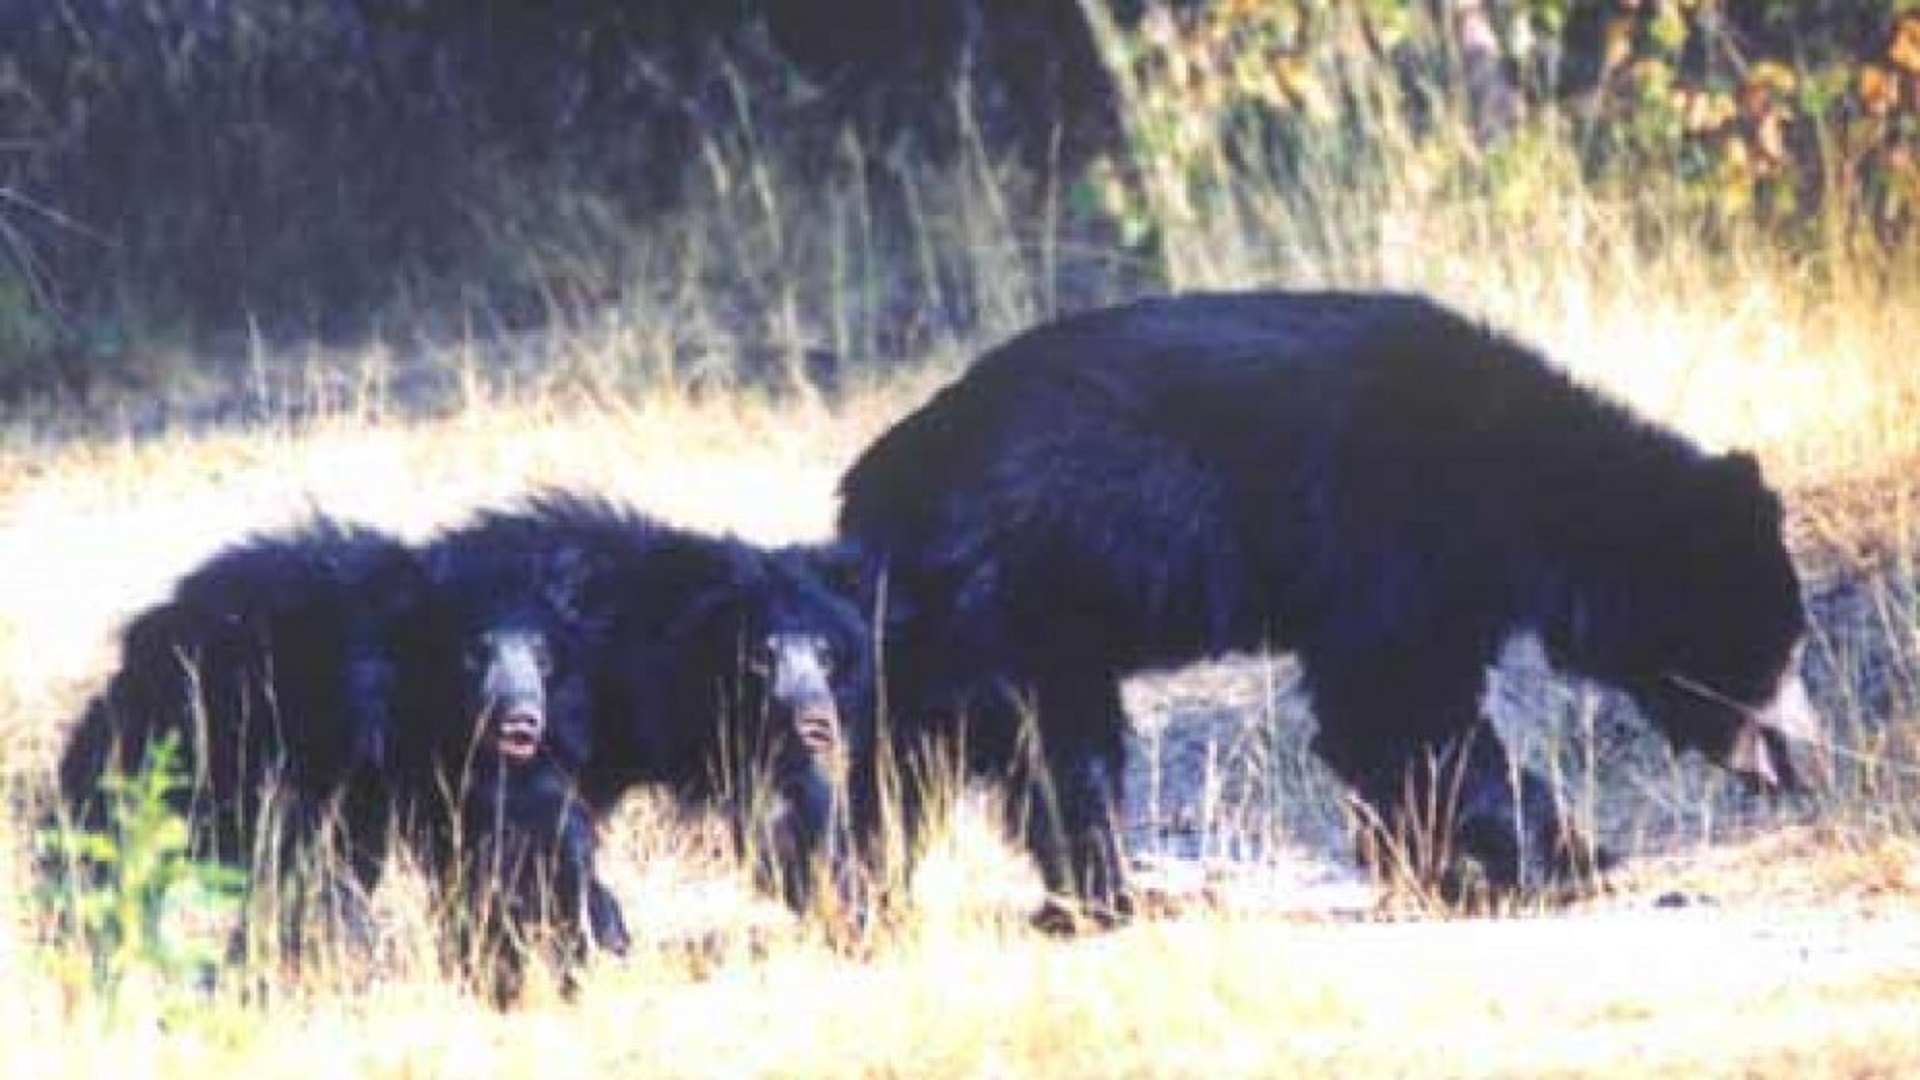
x: 1799, y: 119
x: 130, y: 895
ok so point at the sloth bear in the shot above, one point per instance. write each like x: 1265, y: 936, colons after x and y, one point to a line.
x: 490, y: 697
x: 496, y: 685
x: 1371, y: 481
x: 274, y: 667
x: 329, y: 682
x: 733, y: 676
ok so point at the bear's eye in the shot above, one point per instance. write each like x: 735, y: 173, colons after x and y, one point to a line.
x: 758, y: 662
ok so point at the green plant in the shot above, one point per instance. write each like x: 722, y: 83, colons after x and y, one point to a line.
x: 1724, y: 119
x: 130, y: 893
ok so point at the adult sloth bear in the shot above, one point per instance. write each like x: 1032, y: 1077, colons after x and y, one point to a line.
x: 731, y: 675
x: 274, y: 667
x: 1383, y: 487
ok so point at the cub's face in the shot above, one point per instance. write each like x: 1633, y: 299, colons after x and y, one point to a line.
x: 802, y: 673
x: 792, y: 673
x: 505, y: 671
x: 509, y: 674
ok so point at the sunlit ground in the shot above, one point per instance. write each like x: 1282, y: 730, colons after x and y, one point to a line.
x: 1805, y: 961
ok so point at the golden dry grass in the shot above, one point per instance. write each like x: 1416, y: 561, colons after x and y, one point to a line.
x: 1807, y: 965
x: 1812, y: 967
x: 1760, y: 991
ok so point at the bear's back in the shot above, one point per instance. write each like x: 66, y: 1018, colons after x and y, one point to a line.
x: 1226, y: 376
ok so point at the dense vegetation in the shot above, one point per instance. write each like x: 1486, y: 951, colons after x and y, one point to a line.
x: 181, y: 177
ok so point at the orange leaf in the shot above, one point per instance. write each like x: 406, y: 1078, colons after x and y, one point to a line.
x: 1903, y: 51
x: 1769, y: 138
x: 1879, y: 89
x: 1618, y: 42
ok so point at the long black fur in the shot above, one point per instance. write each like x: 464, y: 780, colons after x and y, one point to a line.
x: 1369, y: 480
x: 674, y: 622
x: 510, y: 844
x: 274, y: 665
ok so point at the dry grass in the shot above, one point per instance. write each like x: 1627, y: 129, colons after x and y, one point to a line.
x: 1800, y: 992
x: 1810, y: 966
x: 1806, y: 965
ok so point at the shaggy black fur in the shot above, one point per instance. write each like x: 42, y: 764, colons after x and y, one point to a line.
x: 333, y: 675
x: 1371, y: 481
x: 497, y: 685
x: 274, y: 665
x: 731, y: 675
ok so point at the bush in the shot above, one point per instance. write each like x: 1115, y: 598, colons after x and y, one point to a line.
x: 1796, y: 117
x: 125, y: 892
x: 208, y: 174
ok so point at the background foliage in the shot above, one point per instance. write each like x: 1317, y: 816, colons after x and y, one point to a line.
x: 180, y: 176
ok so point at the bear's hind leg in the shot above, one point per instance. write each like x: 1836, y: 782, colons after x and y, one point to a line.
x: 1069, y: 792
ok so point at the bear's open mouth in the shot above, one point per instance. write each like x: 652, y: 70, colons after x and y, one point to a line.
x: 518, y: 735
x: 819, y: 730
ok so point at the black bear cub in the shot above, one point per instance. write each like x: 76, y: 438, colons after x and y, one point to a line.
x: 1383, y: 487
x: 489, y: 698
x: 274, y: 667
x: 497, y: 684
x: 330, y: 683
x: 733, y: 676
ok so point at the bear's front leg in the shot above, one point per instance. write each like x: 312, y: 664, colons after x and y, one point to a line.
x: 1444, y: 801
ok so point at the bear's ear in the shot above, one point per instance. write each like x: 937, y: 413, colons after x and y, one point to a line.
x: 841, y: 564
x: 1742, y: 467
x: 1737, y: 482
x: 851, y: 571
x: 568, y: 574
